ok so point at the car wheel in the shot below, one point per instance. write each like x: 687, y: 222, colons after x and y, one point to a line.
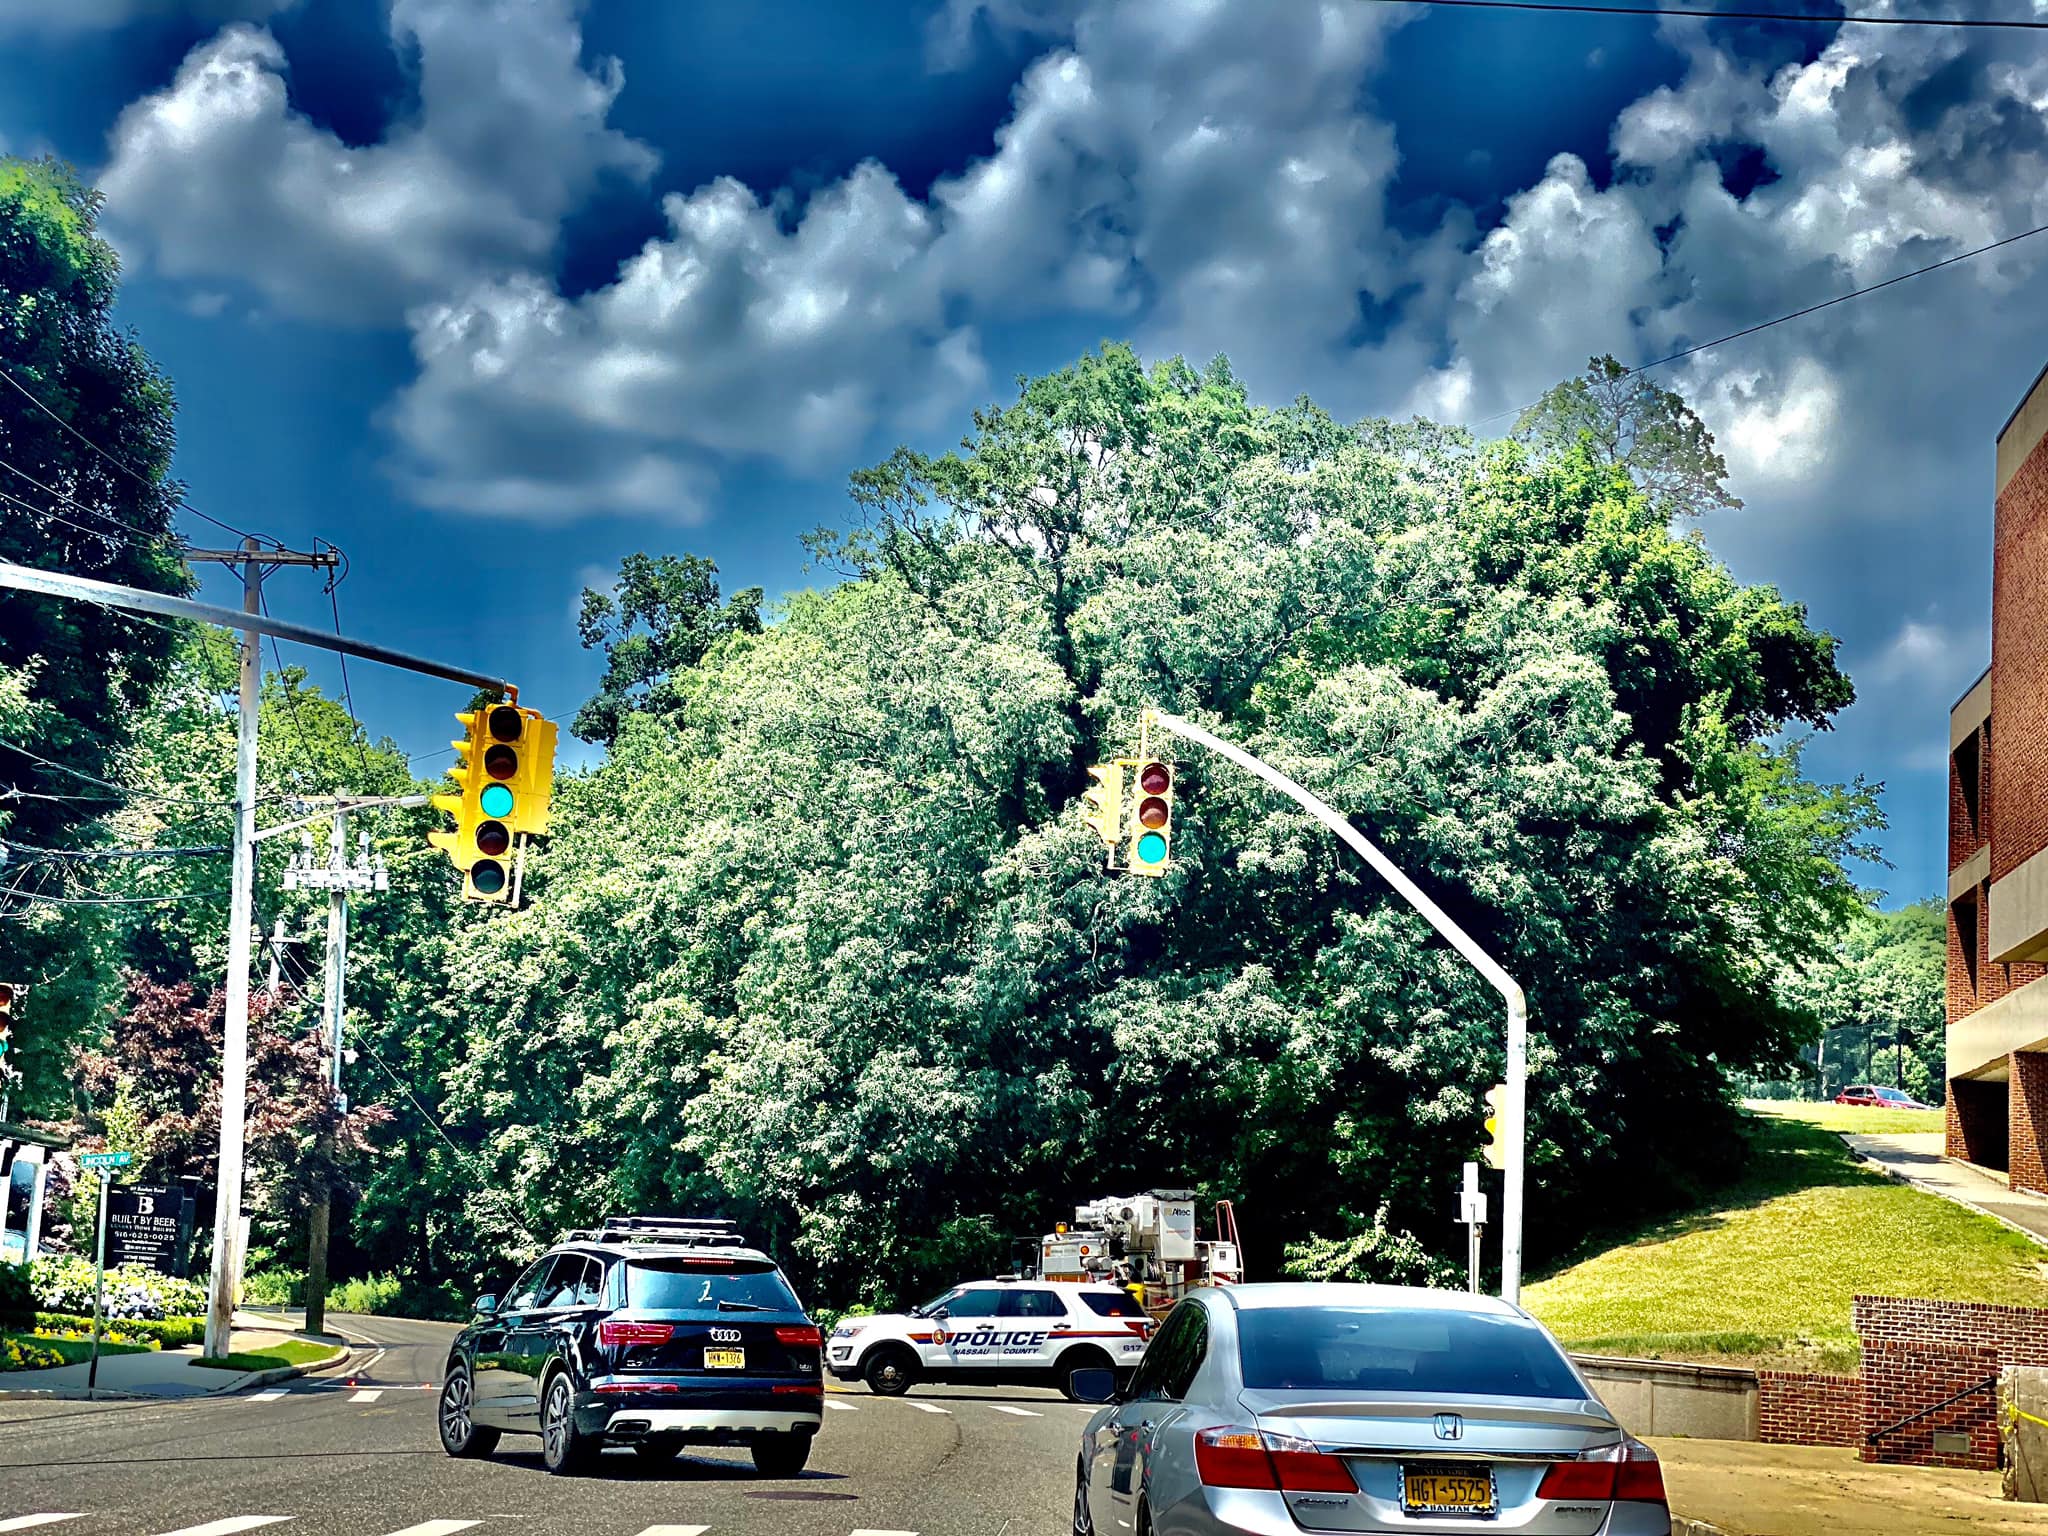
x: 782, y: 1456
x: 1084, y: 1524
x: 890, y: 1371
x: 460, y: 1434
x: 657, y: 1450
x: 564, y: 1449
x: 1079, y: 1360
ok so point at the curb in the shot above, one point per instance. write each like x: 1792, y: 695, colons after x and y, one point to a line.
x: 254, y: 1381
x: 1907, y: 1179
x: 276, y: 1374
x: 1680, y: 1526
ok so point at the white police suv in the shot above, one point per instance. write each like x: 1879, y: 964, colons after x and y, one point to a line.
x: 1013, y: 1332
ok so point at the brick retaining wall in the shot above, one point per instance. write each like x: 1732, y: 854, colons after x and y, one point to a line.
x: 1795, y: 1408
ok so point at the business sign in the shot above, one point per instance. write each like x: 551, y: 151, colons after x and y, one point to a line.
x: 151, y: 1225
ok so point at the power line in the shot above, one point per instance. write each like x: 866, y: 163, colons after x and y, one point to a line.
x: 334, y: 581
x: 38, y: 855
x: 127, y: 469
x: 123, y: 790
x: 1860, y: 19
x: 425, y: 1113
x: 50, y: 490
x: 112, y: 901
x: 1797, y: 314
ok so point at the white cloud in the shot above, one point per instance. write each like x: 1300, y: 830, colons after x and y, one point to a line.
x: 216, y: 177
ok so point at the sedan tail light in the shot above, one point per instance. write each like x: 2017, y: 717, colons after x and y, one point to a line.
x: 1236, y: 1457
x: 1628, y: 1472
x: 803, y: 1335
x: 614, y: 1334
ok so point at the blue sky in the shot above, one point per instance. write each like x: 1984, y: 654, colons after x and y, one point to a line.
x: 516, y: 287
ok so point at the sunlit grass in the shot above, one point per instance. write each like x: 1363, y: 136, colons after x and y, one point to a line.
x: 1850, y: 1117
x: 1767, y: 1270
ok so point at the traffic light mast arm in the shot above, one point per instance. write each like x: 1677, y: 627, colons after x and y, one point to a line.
x: 1516, y: 1103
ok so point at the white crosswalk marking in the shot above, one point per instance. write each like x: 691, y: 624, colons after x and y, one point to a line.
x: 450, y: 1527
x: 370, y: 1395
x: 30, y: 1522
x: 930, y: 1408
x: 229, y: 1526
x: 675, y: 1530
x: 840, y: 1407
x: 266, y: 1397
x: 1022, y: 1413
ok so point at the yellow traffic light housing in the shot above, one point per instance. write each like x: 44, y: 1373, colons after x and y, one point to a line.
x: 1495, y: 1151
x: 504, y: 774
x: 1104, y: 802
x: 1152, y: 818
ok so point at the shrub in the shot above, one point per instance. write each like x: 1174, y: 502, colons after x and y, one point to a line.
x: 169, y: 1332
x: 1379, y: 1254
x: 274, y: 1288
x: 65, y: 1284
x: 17, y: 1297
x: 375, y: 1294
x: 24, y: 1355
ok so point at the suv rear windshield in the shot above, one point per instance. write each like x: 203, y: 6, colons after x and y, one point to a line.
x: 682, y: 1285
x: 1103, y: 1304
x: 1373, y: 1350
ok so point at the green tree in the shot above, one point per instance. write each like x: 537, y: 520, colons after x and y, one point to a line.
x: 659, y: 620
x: 1880, y: 1000
x: 1648, y: 430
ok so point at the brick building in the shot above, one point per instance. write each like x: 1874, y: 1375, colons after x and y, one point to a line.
x: 1998, y: 838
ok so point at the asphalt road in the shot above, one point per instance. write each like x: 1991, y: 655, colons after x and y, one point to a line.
x: 356, y: 1453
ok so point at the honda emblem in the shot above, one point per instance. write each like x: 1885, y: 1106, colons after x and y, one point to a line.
x: 1450, y: 1426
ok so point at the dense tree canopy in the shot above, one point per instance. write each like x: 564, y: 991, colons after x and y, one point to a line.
x: 823, y: 938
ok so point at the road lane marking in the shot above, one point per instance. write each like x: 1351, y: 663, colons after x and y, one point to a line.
x: 836, y: 1408
x: 930, y: 1408
x: 29, y: 1522
x: 884, y: 1533
x: 1022, y: 1413
x: 370, y: 1364
x: 229, y: 1526
x: 266, y: 1397
x: 370, y: 1395
x: 450, y: 1527
x: 662, y: 1530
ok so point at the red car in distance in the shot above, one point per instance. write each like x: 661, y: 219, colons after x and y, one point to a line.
x: 1869, y: 1097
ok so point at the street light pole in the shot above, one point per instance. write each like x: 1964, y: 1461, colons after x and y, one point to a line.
x: 1514, y: 1106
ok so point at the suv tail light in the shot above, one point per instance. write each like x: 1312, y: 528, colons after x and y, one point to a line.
x: 614, y: 1334
x: 802, y: 1335
x: 1628, y: 1472
x: 1236, y: 1457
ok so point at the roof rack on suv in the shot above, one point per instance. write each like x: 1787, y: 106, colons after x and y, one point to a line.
x: 679, y: 1231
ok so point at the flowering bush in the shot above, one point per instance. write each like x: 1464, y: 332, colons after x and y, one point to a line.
x: 21, y: 1355
x: 65, y: 1284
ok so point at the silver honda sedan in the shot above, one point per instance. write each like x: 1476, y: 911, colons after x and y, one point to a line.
x: 1280, y: 1408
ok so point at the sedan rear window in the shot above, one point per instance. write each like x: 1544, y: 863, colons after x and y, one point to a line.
x: 1379, y: 1350
x: 1103, y: 1304
x: 678, y: 1285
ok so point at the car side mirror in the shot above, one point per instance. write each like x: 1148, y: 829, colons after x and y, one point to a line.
x: 941, y: 1314
x: 1093, y: 1386
x: 487, y: 1306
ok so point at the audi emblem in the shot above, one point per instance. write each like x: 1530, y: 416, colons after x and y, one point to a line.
x: 725, y: 1335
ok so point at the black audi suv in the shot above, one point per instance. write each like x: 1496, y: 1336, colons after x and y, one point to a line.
x: 653, y: 1332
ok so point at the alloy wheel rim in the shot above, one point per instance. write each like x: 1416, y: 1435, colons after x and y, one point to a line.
x: 455, y: 1410
x: 557, y: 1430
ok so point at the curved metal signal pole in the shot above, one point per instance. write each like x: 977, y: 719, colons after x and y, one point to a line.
x: 1515, y: 1102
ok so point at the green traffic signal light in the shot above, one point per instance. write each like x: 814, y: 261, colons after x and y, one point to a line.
x: 1152, y: 848
x: 496, y: 801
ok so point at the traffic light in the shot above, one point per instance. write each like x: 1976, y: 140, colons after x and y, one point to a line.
x: 505, y: 773
x: 1105, y: 802
x: 1152, y: 833
x: 11, y: 993
x: 1495, y: 1151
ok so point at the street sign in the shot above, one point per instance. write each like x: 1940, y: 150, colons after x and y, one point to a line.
x: 105, y: 1159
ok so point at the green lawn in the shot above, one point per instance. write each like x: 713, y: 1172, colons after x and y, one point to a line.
x: 1765, y: 1272
x: 284, y: 1352
x: 1850, y: 1117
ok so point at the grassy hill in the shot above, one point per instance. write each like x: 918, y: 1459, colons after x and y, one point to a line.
x: 1764, y: 1272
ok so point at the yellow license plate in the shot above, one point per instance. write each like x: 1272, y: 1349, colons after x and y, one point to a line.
x: 1464, y: 1492
x: 725, y: 1359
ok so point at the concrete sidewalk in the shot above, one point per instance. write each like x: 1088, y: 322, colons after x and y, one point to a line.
x: 159, y: 1372
x: 1917, y: 1158
x: 1740, y: 1488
